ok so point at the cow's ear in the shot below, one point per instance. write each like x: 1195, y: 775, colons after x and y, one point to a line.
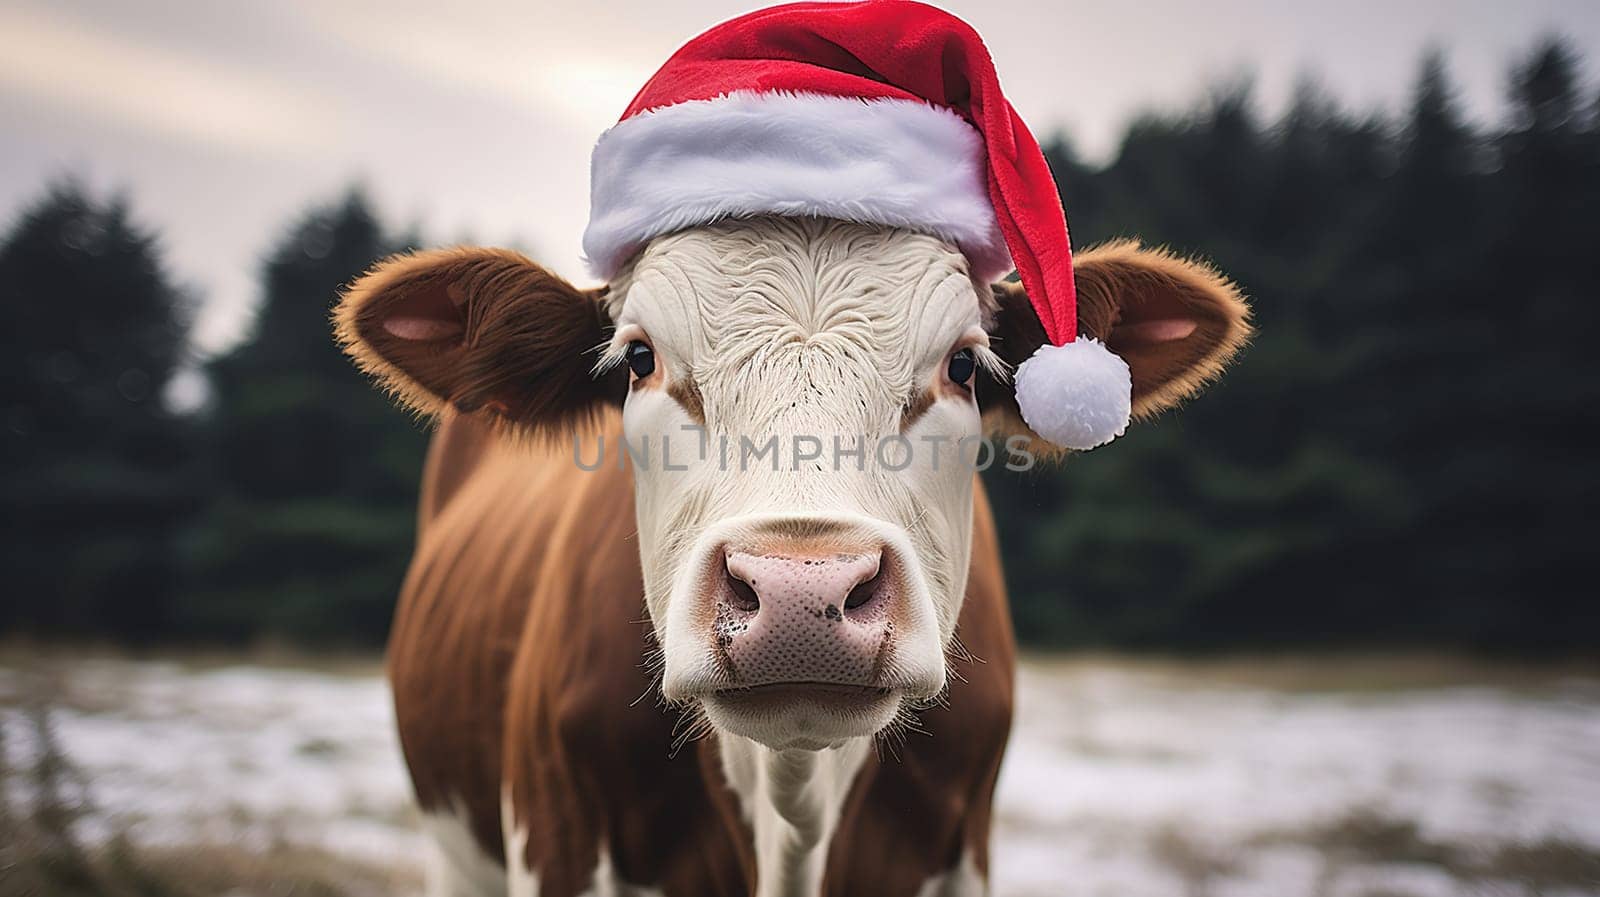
x: 1175, y: 322
x: 481, y: 329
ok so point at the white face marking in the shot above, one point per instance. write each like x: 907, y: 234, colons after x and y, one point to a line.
x: 806, y: 331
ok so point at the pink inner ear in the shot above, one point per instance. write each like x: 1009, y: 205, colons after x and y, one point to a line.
x: 426, y: 313
x: 422, y: 329
x: 1161, y: 330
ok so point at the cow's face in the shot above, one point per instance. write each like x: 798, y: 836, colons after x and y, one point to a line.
x: 803, y: 402
x: 805, y: 554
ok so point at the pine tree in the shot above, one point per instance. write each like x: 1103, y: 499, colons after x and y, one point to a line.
x: 1400, y: 455
x: 315, y: 473
x: 1535, y: 469
x: 94, y: 481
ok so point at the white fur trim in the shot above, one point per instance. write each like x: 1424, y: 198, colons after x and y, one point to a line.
x: 901, y: 163
x: 1078, y: 396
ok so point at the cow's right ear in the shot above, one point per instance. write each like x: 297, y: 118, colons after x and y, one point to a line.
x: 481, y: 329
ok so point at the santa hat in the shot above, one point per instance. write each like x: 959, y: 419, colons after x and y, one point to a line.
x: 883, y: 112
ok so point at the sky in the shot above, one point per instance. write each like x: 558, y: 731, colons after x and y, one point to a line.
x: 473, y: 120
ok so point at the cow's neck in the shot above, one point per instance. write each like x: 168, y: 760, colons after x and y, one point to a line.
x: 792, y: 800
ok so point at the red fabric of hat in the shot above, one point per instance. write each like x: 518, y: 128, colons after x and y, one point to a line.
x: 885, y: 111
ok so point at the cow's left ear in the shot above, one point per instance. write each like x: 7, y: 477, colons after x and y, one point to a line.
x: 481, y: 330
x: 1175, y: 322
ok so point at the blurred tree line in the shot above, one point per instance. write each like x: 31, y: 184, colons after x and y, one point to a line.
x: 283, y: 508
x: 1401, y: 457
x: 1404, y: 453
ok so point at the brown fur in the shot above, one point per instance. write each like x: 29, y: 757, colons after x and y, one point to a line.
x: 1121, y: 284
x: 919, y: 404
x: 923, y: 399
x: 686, y: 393
x: 515, y: 339
x: 517, y: 657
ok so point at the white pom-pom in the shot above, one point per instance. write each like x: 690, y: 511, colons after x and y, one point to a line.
x: 1078, y: 396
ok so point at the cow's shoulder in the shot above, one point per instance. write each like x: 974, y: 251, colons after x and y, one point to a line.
x: 512, y: 540
x: 522, y: 667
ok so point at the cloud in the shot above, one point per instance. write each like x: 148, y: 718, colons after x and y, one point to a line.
x: 488, y: 51
x: 476, y: 117
x: 77, y: 71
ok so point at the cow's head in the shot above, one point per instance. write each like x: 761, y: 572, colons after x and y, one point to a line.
x: 822, y: 388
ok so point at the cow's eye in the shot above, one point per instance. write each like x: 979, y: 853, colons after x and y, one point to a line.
x: 962, y: 366
x: 641, y: 359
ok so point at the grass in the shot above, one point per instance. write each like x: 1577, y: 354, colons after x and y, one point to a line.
x: 43, y: 797
x: 1332, y: 671
x: 1546, y: 866
x: 33, y: 868
x: 1199, y: 866
x: 28, y: 654
x: 1367, y: 838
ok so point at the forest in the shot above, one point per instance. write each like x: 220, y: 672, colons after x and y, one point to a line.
x: 1402, y: 458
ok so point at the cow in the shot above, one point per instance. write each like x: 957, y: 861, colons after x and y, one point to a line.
x: 713, y: 674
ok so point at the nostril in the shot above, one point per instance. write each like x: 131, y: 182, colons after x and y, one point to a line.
x: 865, y: 591
x: 779, y: 586
x: 742, y: 595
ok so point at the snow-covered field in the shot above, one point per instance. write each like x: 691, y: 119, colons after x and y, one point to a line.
x: 1125, y: 779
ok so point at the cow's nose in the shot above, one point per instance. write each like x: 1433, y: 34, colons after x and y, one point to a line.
x: 836, y: 584
x: 805, y: 618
